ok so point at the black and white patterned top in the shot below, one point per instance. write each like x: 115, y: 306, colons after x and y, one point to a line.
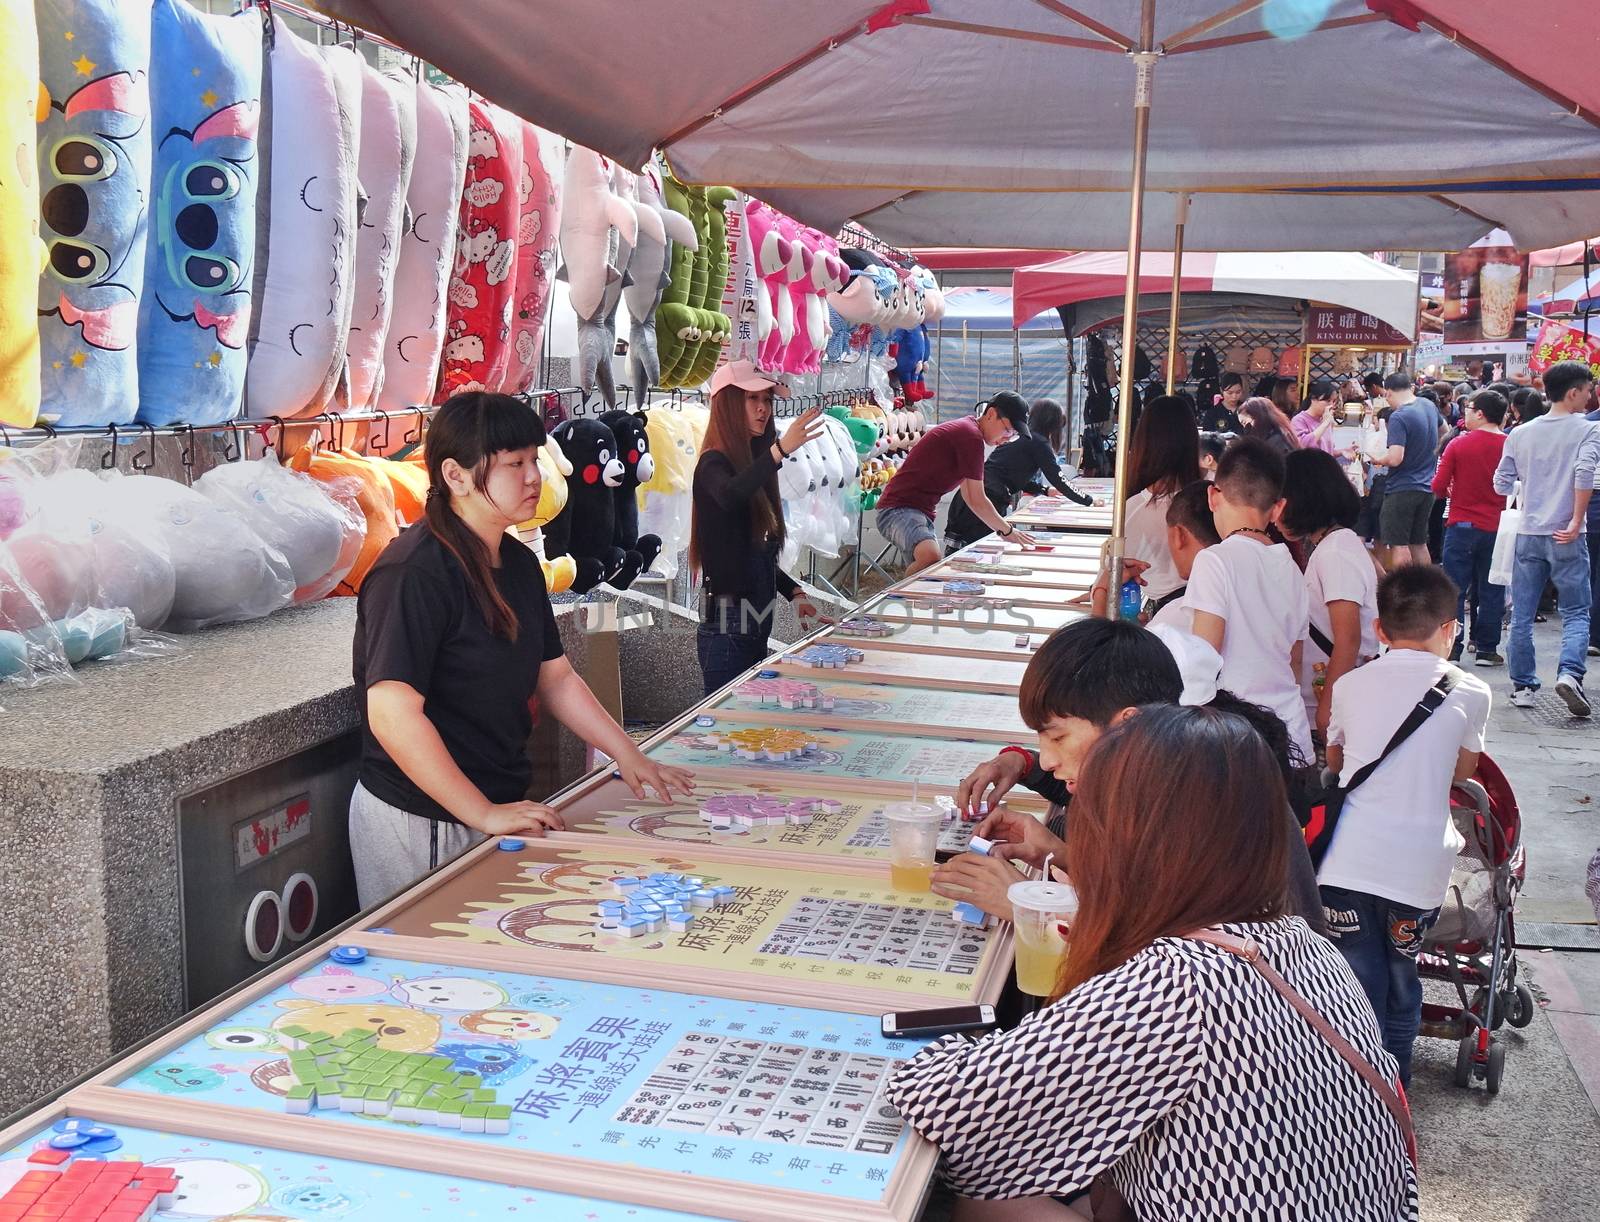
x: 1187, y: 1076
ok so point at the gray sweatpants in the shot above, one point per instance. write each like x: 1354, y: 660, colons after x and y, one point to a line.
x: 393, y: 848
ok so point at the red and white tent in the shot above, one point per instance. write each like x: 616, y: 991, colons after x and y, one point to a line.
x: 1337, y: 277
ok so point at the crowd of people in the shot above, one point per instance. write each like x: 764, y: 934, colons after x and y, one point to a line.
x: 1307, y: 602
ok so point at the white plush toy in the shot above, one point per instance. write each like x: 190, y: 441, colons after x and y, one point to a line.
x: 224, y: 571
x: 132, y: 569
x: 797, y: 482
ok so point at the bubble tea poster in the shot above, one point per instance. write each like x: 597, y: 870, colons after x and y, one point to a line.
x: 1486, y: 293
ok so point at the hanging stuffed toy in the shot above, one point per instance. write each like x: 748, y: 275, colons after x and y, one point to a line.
x: 415, y: 338
x: 716, y: 328
x: 598, y: 232
x: 194, y: 315
x: 295, y: 351
x: 554, y: 470
x: 94, y: 178
x: 665, y: 499
x: 388, y: 153
x: 633, y: 451
x: 478, y: 319
x: 650, y: 273
x: 538, y: 225
x: 24, y: 255
x: 586, y: 529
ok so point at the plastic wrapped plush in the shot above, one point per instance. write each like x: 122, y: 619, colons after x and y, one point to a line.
x: 224, y: 571
x: 31, y: 650
x: 132, y: 569
x: 317, y: 527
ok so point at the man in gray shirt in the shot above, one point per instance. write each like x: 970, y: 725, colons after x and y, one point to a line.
x: 1554, y: 458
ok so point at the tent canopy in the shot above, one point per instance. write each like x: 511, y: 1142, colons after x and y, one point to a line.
x: 948, y: 122
x: 985, y: 308
x: 1336, y: 277
x: 1576, y: 296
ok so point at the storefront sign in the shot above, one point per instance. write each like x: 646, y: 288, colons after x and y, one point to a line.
x: 1485, y: 295
x: 1557, y: 341
x: 1337, y: 326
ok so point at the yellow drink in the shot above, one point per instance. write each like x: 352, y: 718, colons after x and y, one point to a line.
x: 1039, y: 965
x: 917, y: 877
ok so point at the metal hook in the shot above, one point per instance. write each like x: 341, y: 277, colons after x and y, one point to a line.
x: 413, y: 435
x: 232, y: 444
x: 266, y: 437
x: 108, y: 460
x: 372, y: 443
x: 186, y: 454
x: 149, y: 458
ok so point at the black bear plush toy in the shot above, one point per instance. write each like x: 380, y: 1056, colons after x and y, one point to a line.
x: 633, y: 450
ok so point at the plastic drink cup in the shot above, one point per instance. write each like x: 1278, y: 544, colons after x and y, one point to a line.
x: 913, y: 837
x: 1497, y: 298
x: 1039, y: 911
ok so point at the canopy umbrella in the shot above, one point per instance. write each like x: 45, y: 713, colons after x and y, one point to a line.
x: 1294, y: 123
x: 990, y: 308
x: 1578, y: 296
x: 1338, y: 278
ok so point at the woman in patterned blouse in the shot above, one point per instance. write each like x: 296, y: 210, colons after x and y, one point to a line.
x: 1167, y: 1064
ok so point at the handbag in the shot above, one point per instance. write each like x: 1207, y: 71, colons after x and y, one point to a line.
x: 1323, y: 810
x: 1107, y: 1204
x: 1504, y: 557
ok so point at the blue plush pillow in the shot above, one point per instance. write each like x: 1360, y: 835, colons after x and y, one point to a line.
x: 94, y: 183
x: 194, y: 317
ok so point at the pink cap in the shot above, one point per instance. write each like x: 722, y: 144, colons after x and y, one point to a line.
x: 745, y: 376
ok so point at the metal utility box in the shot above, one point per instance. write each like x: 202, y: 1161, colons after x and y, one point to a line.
x: 264, y: 864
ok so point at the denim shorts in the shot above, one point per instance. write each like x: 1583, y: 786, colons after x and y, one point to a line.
x: 905, y: 527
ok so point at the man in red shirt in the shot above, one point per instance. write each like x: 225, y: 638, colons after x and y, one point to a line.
x: 1466, y: 476
x: 948, y: 456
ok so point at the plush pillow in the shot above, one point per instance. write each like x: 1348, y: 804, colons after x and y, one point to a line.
x: 310, y: 175
x: 374, y: 494
x: 538, y: 225
x: 194, y: 316
x: 346, y: 66
x: 427, y: 249
x: 484, y: 274
x: 21, y: 254
x: 594, y: 221
x: 94, y: 178
x: 388, y: 149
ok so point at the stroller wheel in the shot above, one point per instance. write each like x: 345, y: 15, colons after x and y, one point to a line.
x: 1464, y: 1054
x: 1496, y: 1067
x: 1479, y: 1008
x: 1519, y: 1007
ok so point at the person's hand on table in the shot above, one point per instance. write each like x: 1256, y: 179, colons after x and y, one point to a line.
x: 991, y: 781
x: 979, y: 880
x: 519, y: 819
x: 810, y: 616
x: 639, y: 770
x: 1020, y: 837
x: 1019, y: 536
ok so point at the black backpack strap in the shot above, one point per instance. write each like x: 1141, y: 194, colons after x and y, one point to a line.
x: 1431, y: 700
x: 1320, y: 639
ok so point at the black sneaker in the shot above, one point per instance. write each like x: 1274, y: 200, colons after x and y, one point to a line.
x: 1571, y: 693
x: 1488, y: 657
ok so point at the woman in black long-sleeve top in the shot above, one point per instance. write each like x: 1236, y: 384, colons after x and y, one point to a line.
x: 737, y: 525
x: 1016, y: 467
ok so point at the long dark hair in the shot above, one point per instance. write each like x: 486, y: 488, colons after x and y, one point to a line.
x: 1047, y: 420
x: 472, y: 428
x: 1142, y: 875
x: 1166, y: 447
x: 1261, y: 417
x: 728, y: 433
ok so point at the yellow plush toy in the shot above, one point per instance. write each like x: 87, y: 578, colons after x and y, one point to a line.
x: 21, y: 252
x: 554, y: 468
x: 675, y: 432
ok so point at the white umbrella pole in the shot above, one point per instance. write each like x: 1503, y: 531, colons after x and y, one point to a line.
x: 1177, y: 286
x: 1144, y: 60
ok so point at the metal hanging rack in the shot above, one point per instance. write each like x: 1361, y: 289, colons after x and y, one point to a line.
x: 853, y: 235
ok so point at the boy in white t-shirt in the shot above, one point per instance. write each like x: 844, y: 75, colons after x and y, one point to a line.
x: 1190, y: 530
x: 1388, y: 868
x: 1247, y: 594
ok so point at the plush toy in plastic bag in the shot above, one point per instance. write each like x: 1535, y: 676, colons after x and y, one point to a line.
x: 847, y: 485
x: 666, y: 498
x: 797, y: 483
x: 31, y: 649
x: 194, y: 314
x: 318, y: 527
x: 374, y: 496
x: 562, y: 571
x: 94, y: 178
x: 224, y: 571
x: 131, y: 567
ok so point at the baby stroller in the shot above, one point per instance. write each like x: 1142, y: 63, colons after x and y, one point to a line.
x: 1473, y: 944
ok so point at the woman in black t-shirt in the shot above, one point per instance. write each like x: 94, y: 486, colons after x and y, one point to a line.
x: 454, y: 638
x: 1015, y: 468
x: 737, y: 528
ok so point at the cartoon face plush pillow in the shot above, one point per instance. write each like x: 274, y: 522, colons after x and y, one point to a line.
x: 94, y: 179
x: 388, y: 149
x: 194, y: 317
x: 538, y: 224
x: 478, y: 320
x: 427, y: 250
x: 296, y: 346
x: 19, y: 215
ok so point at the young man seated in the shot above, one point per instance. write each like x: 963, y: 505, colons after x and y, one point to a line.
x: 949, y: 456
x: 1086, y: 678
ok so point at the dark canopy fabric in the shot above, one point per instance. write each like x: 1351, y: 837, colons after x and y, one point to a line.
x: 1406, y: 123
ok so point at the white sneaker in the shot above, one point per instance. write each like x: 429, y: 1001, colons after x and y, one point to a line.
x: 1571, y: 691
x: 1522, y: 697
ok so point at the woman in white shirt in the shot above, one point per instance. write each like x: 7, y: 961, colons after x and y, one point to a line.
x: 1165, y: 456
x: 1320, y: 511
x: 1166, y: 1068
